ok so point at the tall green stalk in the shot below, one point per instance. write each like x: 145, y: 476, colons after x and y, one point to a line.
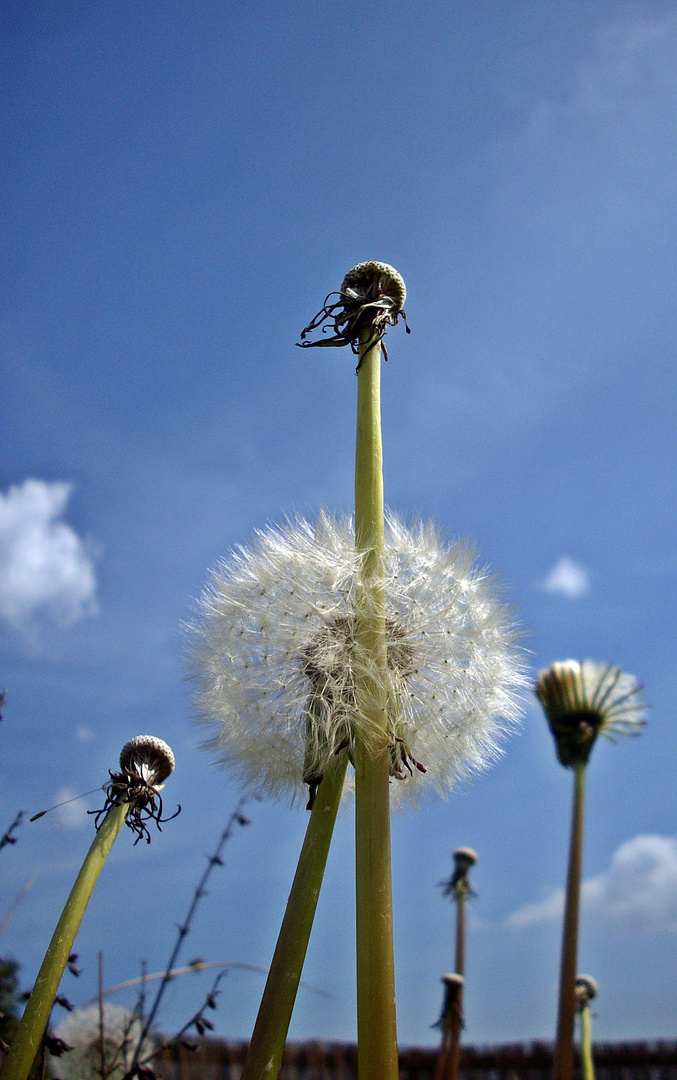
x: 563, y: 1065
x: 587, y: 1064
x: 272, y: 1023
x: 376, y: 1021
x: 36, y: 1014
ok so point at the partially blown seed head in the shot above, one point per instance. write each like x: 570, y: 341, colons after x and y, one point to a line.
x: 584, y: 700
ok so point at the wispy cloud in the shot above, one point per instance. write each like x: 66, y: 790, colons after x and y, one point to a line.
x: 637, y: 893
x: 46, y: 570
x: 567, y: 577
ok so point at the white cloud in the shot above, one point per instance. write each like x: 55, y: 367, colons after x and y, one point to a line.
x: 568, y: 578
x: 46, y: 570
x: 637, y: 893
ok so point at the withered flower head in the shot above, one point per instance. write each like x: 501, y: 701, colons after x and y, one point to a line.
x: 370, y: 299
x: 145, y: 763
x: 586, y: 990
x: 149, y: 757
x: 453, y: 989
x: 464, y: 858
x: 584, y: 700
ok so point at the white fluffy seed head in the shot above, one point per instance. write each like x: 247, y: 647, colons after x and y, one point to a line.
x: 274, y: 656
x: 80, y: 1030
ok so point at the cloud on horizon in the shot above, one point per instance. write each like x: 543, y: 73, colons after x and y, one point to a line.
x: 637, y: 893
x: 567, y: 577
x: 46, y: 569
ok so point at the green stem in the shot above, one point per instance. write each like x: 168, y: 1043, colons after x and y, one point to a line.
x: 563, y: 1065
x: 272, y: 1023
x: 376, y: 1021
x: 454, y: 1052
x: 36, y: 1014
x: 587, y: 1064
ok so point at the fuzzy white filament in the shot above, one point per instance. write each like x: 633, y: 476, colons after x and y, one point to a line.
x: 274, y: 656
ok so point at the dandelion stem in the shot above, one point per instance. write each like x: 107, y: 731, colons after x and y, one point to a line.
x: 376, y: 1021
x: 563, y: 1065
x: 587, y: 1065
x: 272, y: 1023
x: 36, y: 1013
x: 454, y: 1054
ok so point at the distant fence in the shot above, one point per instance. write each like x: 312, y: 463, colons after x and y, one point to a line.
x: 216, y: 1060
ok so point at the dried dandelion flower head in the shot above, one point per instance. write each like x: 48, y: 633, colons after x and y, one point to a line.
x: 370, y: 299
x: 145, y: 763
x: 584, y: 700
x: 148, y: 757
x: 464, y: 859
x: 586, y: 990
x: 275, y: 657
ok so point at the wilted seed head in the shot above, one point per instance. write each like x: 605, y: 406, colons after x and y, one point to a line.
x: 453, y: 990
x: 586, y: 990
x: 370, y: 299
x: 464, y: 858
x: 584, y: 700
x: 145, y: 763
x: 275, y: 657
x: 149, y: 757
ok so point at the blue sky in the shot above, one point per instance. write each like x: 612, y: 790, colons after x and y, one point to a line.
x: 181, y: 188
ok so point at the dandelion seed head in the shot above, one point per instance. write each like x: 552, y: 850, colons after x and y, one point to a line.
x: 80, y: 1030
x: 274, y: 657
x: 582, y: 700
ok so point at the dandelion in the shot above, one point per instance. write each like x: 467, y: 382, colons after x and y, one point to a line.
x: 275, y: 658
x: 319, y: 643
x: 584, y: 700
x: 458, y: 888
x: 450, y: 1022
x: 132, y: 795
x: 82, y: 1030
x: 586, y: 990
x: 581, y: 701
x: 370, y: 299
